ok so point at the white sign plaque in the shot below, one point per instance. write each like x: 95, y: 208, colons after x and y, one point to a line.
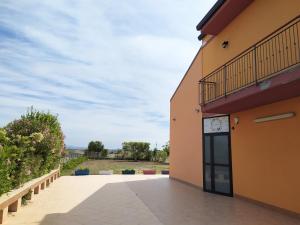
x: 216, y: 124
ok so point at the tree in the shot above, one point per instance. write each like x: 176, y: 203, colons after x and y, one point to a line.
x: 138, y: 150
x: 104, y: 153
x: 166, y: 148
x: 95, y: 146
x: 154, y: 154
x: 161, y: 156
x: 121, y: 154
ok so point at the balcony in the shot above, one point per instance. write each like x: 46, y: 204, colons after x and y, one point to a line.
x: 267, y: 72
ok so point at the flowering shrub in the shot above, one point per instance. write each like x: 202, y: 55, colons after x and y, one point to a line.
x: 5, y: 167
x: 29, y: 147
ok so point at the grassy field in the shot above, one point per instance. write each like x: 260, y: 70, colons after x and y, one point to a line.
x: 118, y: 165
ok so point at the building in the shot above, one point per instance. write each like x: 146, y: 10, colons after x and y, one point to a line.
x: 235, y: 116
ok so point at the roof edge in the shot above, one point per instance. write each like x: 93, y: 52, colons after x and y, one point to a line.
x: 185, y: 74
x: 201, y: 36
x: 210, y: 14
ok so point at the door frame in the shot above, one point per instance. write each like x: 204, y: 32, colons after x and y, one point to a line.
x: 229, y: 155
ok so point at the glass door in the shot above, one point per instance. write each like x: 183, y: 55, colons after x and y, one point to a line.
x: 217, y: 163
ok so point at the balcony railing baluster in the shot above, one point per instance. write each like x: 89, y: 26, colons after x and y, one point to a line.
x: 255, y: 65
x: 225, y: 77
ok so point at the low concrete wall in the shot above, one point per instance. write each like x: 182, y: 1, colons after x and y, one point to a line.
x: 106, y: 172
x: 11, y: 201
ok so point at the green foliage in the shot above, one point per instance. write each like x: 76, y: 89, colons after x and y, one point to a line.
x: 141, y: 151
x: 121, y: 154
x: 166, y: 148
x: 128, y: 171
x: 161, y: 156
x: 83, y: 168
x: 73, y: 163
x: 37, y: 124
x: 138, y: 150
x: 96, y: 150
x: 95, y: 146
x: 29, y: 147
x: 104, y: 153
x: 5, y: 164
x: 26, y: 198
x: 154, y: 155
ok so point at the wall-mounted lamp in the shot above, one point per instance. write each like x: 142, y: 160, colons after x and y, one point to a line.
x: 236, y: 120
x: 275, y: 117
x: 225, y: 44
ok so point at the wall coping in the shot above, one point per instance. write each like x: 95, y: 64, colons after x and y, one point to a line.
x: 10, y: 197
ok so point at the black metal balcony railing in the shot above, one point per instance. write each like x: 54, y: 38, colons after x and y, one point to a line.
x: 275, y: 53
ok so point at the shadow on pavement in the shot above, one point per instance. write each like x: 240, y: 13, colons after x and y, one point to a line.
x: 165, y: 201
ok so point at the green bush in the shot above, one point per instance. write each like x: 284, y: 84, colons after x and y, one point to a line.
x: 166, y: 148
x: 73, y: 163
x: 162, y: 156
x: 128, y: 171
x: 26, y: 198
x: 104, y: 153
x: 123, y: 155
x: 138, y: 150
x: 5, y: 164
x: 44, y: 126
x: 29, y: 147
x: 159, y: 155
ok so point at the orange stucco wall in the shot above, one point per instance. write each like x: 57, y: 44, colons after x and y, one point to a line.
x: 257, y: 21
x: 266, y: 156
x: 185, y: 132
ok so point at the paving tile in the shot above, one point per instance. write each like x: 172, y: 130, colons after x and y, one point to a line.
x: 139, y: 200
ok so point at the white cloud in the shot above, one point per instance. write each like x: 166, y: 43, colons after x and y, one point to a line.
x: 108, y: 68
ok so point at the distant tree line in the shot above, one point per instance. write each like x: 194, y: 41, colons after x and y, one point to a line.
x: 137, y: 151
x: 96, y: 150
x: 141, y: 151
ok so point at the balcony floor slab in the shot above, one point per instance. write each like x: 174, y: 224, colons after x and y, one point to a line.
x: 277, y: 88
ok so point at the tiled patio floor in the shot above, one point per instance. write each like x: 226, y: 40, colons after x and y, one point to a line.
x: 138, y: 199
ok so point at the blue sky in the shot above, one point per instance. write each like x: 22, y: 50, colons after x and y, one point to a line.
x: 107, y: 68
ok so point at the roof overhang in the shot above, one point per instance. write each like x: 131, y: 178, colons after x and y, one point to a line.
x: 220, y: 15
